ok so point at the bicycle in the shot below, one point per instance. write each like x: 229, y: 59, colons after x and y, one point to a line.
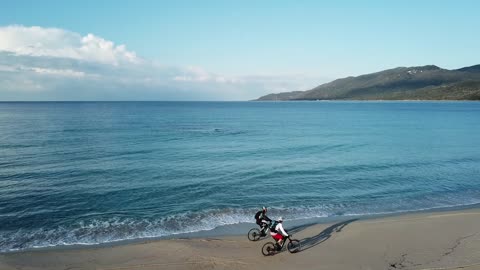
x: 270, y: 248
x: 255, y: 234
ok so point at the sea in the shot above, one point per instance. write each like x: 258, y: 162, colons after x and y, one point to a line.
x: 87, y: 173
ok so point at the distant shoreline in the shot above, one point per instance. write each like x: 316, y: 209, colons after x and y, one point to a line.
x: 428, y: 82
x: 372, y: 100
x: 239, y: 101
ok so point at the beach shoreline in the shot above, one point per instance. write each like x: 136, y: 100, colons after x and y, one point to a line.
x: 241, y: 229
x: 423, y: 240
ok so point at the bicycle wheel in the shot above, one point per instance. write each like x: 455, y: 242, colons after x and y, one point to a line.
x: 254, y: 234
x: 294, y: 246
x: 268, y: 249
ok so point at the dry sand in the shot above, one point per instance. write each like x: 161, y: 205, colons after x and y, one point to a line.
x: 439, y: 240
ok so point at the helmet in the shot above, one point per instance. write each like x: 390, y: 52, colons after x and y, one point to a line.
x: 264, y: 209
x: 280, y: 219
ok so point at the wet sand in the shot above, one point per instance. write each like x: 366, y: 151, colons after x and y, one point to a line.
x: 436, y: 240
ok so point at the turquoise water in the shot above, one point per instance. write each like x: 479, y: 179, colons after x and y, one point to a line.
x: 97, y: 172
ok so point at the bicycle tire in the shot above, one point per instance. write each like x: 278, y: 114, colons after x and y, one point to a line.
x: 294, y: 246
x: 254, y: 234
x: 268, y: 249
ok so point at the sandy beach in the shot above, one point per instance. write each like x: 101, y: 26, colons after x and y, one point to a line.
x: 436, y: 240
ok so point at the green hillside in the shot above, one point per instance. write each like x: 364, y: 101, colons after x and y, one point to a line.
x: 403, y: 83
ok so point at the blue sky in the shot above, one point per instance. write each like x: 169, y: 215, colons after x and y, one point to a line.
x: 268, y: 46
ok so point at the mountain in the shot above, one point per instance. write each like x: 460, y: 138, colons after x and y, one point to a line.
x: 402, y: 83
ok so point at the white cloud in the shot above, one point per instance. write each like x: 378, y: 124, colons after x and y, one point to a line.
x: 56, y: 64
x: 59, y: 72
x: 198, y: 74
x: 54, y: 42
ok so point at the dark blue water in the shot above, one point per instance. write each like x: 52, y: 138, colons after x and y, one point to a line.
x: 86, y: 173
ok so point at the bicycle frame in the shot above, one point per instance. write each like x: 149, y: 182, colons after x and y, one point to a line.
x: 293, y: 246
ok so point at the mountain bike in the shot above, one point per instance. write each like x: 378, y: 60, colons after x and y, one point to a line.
x: 271, y: 248
x: 255, y: 234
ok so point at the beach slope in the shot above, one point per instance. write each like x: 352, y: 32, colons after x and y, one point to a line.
x: 437, y: 240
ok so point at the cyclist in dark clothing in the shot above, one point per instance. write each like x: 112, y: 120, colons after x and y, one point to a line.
x: 262, y: 220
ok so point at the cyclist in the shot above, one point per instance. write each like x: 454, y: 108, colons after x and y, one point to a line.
x: 278, y: 232
x: 262, y: 220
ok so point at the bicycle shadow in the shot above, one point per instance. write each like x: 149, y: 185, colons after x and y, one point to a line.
x: 297, y: 229
x: 323, y: 236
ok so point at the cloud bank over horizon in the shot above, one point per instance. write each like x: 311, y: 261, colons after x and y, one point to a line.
x: 39, y: 63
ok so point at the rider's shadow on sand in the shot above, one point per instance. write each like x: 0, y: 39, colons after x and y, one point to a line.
x: 323, y: 236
